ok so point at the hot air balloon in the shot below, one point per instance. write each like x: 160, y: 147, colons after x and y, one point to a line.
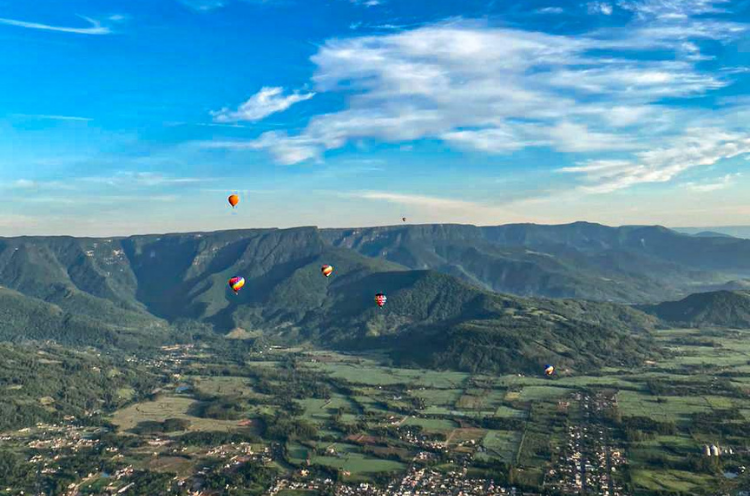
x: 233, y: 200
x: 549, y: 369
x: 327, y: 270
x: 236, y: 283
x: 380, y: 299
x: 403, y: 219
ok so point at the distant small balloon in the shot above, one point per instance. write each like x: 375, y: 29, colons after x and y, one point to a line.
x: 233, y: 200
x: 236, y: 283
x: 327, y: 270
x: 403, y: 219
x: 380, y: 299
x: 549, y: 369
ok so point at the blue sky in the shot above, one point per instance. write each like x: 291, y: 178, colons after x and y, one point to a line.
x: 121, y: 117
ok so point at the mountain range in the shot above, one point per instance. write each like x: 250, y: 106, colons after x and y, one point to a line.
x: 473, y: 298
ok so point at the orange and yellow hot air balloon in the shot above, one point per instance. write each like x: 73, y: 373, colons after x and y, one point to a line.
x: 233, y: 200
x: 327, y: 270
x: 236, y: 283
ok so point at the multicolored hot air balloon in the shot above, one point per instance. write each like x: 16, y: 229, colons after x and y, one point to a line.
x: 380, y: 299
x: 233, y: 200
x: 549, y: 369
x: 327, y: 270
x: 236, y: 283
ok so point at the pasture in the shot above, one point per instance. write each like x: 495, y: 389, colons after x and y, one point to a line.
x: 165, y: 407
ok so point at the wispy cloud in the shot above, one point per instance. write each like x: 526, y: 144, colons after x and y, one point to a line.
x: 122, y: 179
x: 95, y: 28
x: 417, y: 200
x: 672, y: 9
x: 142, y: 179
x: 432, y: 208
x: 722, y: 183
x: 550, y: 10
x: 53, y: 117
x: 216, y: 124
x: 697, y: 148
x: 262, y: 104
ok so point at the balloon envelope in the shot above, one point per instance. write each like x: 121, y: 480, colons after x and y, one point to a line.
x: 236, y: 283
x: 327, y: 270
x: 233, y: 200
x: 549, y: 369
x: 380, y: 299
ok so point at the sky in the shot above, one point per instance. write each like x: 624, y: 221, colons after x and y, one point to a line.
x: 123, y: 117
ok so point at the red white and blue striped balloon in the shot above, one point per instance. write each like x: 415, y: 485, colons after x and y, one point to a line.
x: 380, y: 299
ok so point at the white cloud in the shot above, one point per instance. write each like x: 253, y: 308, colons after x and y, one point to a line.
x: 498, y: 90
x: 490, y: 89
x: 262, y: 104
x: 722, y: 183
x: 599, y: 8
x: 699, y: 147
x: 96, y: 27
x: 550, y: 10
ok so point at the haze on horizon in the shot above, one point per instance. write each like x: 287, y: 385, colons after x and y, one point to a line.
x: 128, y: 118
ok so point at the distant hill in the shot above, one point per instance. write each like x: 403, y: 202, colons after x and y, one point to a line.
x: 734, y: 231
x: 736, y: 285
x: 711, y: 234
x: 718, y: 308
x: 631, y: 264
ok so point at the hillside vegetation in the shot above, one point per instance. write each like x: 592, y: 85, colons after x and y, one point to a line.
x: 453, y: 291
x: 718, y: 308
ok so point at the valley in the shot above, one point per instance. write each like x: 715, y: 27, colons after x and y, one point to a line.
x: 233, y: 420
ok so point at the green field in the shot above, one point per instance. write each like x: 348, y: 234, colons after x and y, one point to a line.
x: 671, y: 408
x: 357, y: 463
x: 540, y: 393
x: 670, y: 480
x: 223, y: 386
x: 431, y: 424
x: 320, y: 410
x: 168, y: 407
x: 501, y: 445
x: 368, y: 373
